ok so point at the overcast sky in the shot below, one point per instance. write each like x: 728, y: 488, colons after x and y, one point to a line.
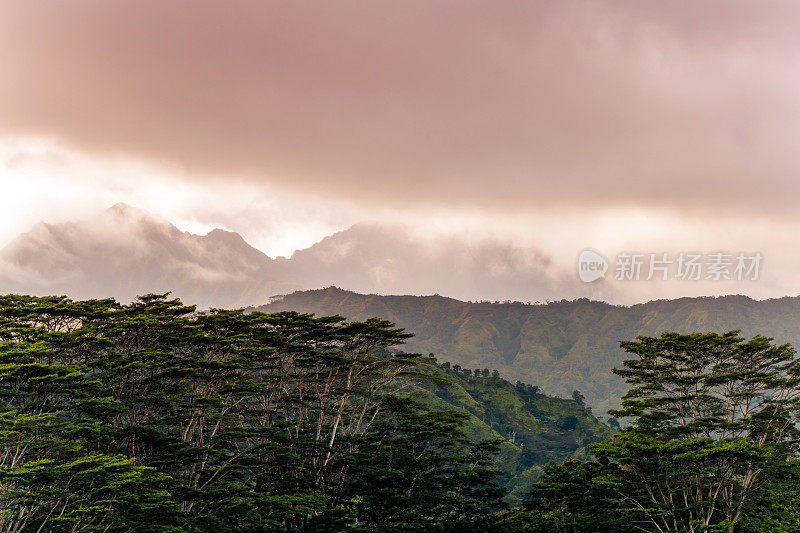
x: 659, y: 126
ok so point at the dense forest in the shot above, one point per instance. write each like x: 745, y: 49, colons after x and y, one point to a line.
x: 559, y: 346
x: 152, y: 416
x: 534, y: 428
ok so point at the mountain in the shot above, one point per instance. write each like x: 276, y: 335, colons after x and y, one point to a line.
x: 126, y: 252
x: 561, y: 346
x: 394, y: 259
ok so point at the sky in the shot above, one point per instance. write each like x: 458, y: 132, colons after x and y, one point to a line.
x: 627, y: 125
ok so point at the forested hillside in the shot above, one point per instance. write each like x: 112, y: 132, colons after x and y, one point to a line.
x: 154, y: 417
x: 150, y: 417
x: 560, y: 346
x: 536, y: 428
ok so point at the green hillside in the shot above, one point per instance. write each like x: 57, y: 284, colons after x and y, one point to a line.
x: 561, y: 346
x: 537, y: 428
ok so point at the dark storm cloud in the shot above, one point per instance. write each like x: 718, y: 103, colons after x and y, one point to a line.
x: 493, y: 104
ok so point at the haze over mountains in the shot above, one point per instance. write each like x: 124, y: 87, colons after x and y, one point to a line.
x: 125, y: 252
x: 567, y: 345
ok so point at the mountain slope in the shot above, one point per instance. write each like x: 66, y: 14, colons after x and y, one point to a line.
x: 560, y: 346
x: 537, y: 428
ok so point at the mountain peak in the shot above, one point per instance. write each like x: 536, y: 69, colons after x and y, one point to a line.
x: 121, y: 208
x: 122, y: 214
x: 221, y: 235
x: 125, y: 251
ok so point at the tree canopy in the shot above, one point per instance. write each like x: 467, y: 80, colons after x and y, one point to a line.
x: 154, y: 417
x: 710, y: 444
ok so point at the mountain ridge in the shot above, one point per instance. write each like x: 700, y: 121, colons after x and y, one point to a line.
x: 560, y: 346
x: 125, y: 251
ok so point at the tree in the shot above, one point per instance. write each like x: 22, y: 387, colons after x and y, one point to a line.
x: 569, y: 423
x: 415, y: 471
x: 775, y: 505
x: 53, y: 413
x: 154, y: 417
x: 579, y: 398
x: 572, y: 497
x: 711, y: 413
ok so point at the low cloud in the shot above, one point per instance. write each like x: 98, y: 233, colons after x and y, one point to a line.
x: 395, y: 259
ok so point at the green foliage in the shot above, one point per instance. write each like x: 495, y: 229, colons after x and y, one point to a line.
x: 711, y: 413
x: 573, y: 496
x: 775, y: 505
x: 578, y: 397
x: 535, y: 428
x: 153, y: 417
x: 710, y: 446
x: 560, y: 346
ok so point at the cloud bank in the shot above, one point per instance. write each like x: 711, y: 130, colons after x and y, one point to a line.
x: 497, y: 106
